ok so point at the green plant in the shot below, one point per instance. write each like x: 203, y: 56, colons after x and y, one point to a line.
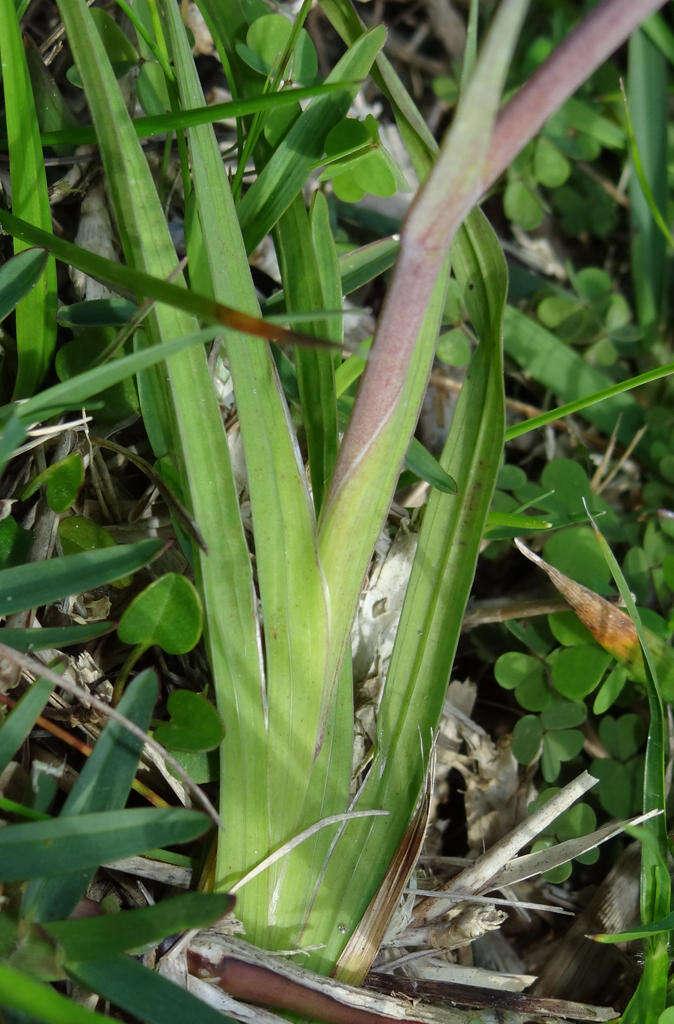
x: 286, y: 757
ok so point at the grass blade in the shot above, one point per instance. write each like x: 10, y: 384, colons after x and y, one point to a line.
x: 650, y: 998
x: 647, y: 91
x: 315, y: 370
x: 63, y: 845
x: 18, y: 275
x: 34, y: 584
x: 291, y: 587
x: 159, y: 124
x: 435, y: 599
x: 29, y: 640
x: 96, y: 937
x: 283, y: 176
x: 142, y: 992
x: 21, y: 719
x: 130, y: 279
x: 557, y: 366
x: 21, y: 992
x: 35, y: 313
x: 102, y: 785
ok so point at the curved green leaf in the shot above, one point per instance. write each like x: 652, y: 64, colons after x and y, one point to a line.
x: 18, y: 275
x: 34, y: 584
x: 63, y: 845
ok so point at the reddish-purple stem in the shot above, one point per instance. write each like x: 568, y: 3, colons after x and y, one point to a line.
x: 423, y: 246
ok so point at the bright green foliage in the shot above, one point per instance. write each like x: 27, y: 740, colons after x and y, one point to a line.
x: 167, y: 613
x: 453, y: 347
x: 62, y: 481
x: 194, y: 725
x: 78, y: 534
x: 266, y: 42
x: 277, y: 625
x: 577, y: 671
x: 14, y: 542
x: 35, y: 326
x: 353, y: 172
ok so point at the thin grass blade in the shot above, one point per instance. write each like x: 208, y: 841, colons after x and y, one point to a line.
x: 143, y: 993
x: 21, y: 719
x: 18, y: 275
x: 35, y: 313
x: 35, y: 584
x: 283, y: 176
x: 63, y: 845
x: 103, y: 784
x: 647, y: 92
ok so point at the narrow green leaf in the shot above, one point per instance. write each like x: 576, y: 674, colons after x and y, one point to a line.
x: 315, y: 370
x: 640, y: 932
x: 34, y: 584
x: 21, y: 719
x: 283, y: 176
x: 29, y: 640
x: 427, y: 467
x: 62, y: 481
x: 659, y: 32
x: 102, y: 785
x: 130, y: 931
x: 145, y: 285
x: 290, y: 583
x: 21, y: 992
x: 436, y: 595
x: 158, y: 124
x: 12, y: 434
x: 18, y: 275
x: 655, y: 880
x: 35, y: 323
x: 143, y: 993
x: 557, y: 366
x: 63, y: 845
x: 644, y: 183
x: 76, y: 391
x: 53, y: 113
x: 647, y: 92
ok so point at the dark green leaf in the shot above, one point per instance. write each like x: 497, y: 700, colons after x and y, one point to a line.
x: 95, y: 937
x: 145, y: 994
x: 623, y: 736
x: 21, y: 719
x: 97, y: 313
x: 62, y: 481
x: 34, y: 584
x: 526, y: 739
x: 64, y: 845
x: 577, y: 671
x: 35, y: 1001
x: 18, y: 275
x: 28, y: 640
x: 102, y: 785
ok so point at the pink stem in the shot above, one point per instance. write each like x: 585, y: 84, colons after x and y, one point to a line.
x: 419, y: 263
